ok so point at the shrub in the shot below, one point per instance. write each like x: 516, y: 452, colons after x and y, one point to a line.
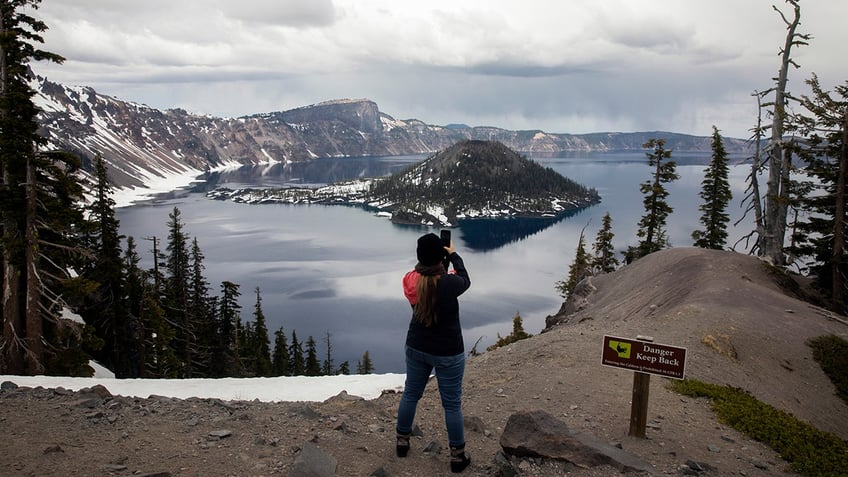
x: 517, y: 334
x: 831, y: 352
x: 810, y: 451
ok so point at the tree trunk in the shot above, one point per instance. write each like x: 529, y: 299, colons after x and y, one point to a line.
x: 34, y: 326
x: 782, y: 208
x: 756, y: 164
x: 838, y: 285
x: 777, y: 194
x: 652, y: 226
x: 11, y: 348
x: 11, y: 361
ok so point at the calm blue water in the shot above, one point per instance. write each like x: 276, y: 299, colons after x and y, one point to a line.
x: 338, y: 269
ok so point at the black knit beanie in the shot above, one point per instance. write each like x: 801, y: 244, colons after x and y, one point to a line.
x: 430, y: 250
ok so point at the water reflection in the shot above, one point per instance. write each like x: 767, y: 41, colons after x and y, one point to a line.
x: 490, y: 234
x: 306, y: 174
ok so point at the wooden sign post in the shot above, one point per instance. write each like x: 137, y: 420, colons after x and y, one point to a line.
x: 639, y: 401
x: 644, y: 357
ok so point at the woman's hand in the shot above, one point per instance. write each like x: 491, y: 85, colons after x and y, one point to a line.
x: 449, y: 249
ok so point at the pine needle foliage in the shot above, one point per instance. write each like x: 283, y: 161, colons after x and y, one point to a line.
x: 579, y: 269
x: 652, y: 227
x: 517, y: 334
x: 716, y: 194
x: 819, y: 237
x: 365, y: 365
x: 604, y: 260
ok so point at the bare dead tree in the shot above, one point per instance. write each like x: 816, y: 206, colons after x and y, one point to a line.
x: 778, y: 151
x: 752, y: 192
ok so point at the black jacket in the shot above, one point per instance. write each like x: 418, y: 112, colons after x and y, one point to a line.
x: 443, y: 338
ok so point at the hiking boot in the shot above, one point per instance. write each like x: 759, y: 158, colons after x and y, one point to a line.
x: 402, y: 446
x: 459, y: 459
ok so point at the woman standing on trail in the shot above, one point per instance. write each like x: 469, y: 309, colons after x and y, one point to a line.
x: 434, y: 341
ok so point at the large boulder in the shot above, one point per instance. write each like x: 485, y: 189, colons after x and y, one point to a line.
x: 539, y: 434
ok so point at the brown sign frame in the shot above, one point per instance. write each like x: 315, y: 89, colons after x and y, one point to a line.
x: 644, y: 356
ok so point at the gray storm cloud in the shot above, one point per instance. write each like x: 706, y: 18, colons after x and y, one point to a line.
x: 576, y: 66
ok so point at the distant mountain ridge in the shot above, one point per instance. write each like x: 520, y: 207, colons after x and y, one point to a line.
x: 141, y: 144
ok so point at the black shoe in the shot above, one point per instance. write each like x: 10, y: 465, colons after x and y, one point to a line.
x: 459, y: 459
x: 402, y: 447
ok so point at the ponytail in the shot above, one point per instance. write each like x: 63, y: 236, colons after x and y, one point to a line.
x: 425, y: 309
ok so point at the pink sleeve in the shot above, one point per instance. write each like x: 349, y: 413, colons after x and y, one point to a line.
x: 410, y: 286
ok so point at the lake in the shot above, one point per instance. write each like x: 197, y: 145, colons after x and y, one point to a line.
x: 338, y: 269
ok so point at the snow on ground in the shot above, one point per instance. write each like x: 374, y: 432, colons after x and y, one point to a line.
x: 167, y: 182
x: 295, y: 388
x: 127, y: 196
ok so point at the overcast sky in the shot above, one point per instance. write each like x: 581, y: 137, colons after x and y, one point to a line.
x: 569, y: 66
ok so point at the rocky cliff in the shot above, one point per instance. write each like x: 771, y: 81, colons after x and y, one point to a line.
x: 141, y: 144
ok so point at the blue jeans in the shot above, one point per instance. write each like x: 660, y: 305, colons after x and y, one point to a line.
x: 449, y: 372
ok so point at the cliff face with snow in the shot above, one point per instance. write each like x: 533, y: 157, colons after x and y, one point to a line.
x: 142, y: 145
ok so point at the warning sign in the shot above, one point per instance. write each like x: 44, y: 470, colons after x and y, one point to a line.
x: 622, y: 348
x: 644, y: 356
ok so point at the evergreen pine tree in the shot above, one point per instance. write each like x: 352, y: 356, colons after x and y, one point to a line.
x: 176, y: 299
x: 716, y: 194
x: 217, y: 347
x: 201, y: 313
x: 580, y: 268
x: 133, y: 277
x: 604, y: 260
x: 517, y: 334
x: 160, y: 359
x: 328, y: 361
x: 297, y: 365
x: 652, y: 234
x: 106, y: 309
x: 39, y: 205
x: 158, y: 354
x: 134, y: 289
x: 365, y: 366
x: 155, y: 274
x: 313, y: 365
x: 281, y: 354
x: 226, y: 352
x: 261, y: 349
x: 54, y: 247
x: 820, y: 239
x: 247, y: 342
x: 344, y: 368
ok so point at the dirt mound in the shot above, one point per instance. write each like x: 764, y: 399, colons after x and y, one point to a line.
x: 739, y: 325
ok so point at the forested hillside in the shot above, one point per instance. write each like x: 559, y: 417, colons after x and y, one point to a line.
x: 479, y: 178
